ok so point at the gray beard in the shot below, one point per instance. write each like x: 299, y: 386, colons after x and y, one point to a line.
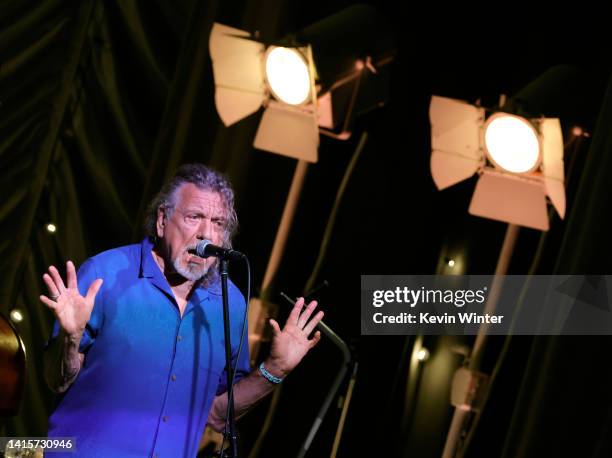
x: 195, y: 274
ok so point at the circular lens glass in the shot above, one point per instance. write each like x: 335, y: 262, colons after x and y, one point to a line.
x: 287, y: 75
x: 512, y: 143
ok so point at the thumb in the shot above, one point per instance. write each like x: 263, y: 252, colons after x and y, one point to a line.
x: 93, y: 290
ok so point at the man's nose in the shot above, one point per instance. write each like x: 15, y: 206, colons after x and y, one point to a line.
x: 205, y: 229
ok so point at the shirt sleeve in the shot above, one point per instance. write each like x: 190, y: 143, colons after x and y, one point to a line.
x: 85, y: 276
x: 242, y: 362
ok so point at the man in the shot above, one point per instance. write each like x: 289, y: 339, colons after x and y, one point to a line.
x: 137, y: 351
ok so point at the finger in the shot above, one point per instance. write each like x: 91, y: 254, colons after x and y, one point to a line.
x: 315, y: 339
x: 275, y: 327
x: 48, y: 302
x: 306, y: 314
x: 71, y: 275
x: 295, y: 313
x: 59, y: 283
x: 93, y: 290
x: 53, y: 291
x: 312, y: 323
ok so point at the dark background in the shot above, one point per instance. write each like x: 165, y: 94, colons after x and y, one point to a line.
x: 100, y: 101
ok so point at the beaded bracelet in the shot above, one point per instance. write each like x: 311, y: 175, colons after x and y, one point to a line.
x: 268, y: 376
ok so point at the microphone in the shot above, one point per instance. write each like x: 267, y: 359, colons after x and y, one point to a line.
x: 205, y: 249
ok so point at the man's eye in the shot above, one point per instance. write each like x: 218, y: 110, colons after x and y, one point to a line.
x: 192, y: 217
x: 219, y: 223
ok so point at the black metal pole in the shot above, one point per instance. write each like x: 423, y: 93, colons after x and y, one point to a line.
x: 346, y: 360
x: 231, y: 419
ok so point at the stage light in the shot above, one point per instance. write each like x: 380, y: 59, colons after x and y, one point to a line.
x: 246, y: 75
x: 351, y: 49
x: 311, y: 82
x: 517, y: 171
x: 519, y: 160
x: 451, y: 263
x: 51, y: 227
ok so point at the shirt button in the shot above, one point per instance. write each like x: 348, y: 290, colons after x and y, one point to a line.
x: 165, y: 418
x: 179, y: 338
x: 173, y: 377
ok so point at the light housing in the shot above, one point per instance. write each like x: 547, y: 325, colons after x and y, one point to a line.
x: 505, y: 191
x: 242, y: 86
x: 352, y: 51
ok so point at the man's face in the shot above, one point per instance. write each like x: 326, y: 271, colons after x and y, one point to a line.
x: 197, y: 215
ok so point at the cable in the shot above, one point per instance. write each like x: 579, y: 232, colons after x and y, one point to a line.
x: 332, y: 217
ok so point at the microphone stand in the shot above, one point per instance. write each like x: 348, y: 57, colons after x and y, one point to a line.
x: 230, y: 421
x: 346, y: 359
x: 346, y: 362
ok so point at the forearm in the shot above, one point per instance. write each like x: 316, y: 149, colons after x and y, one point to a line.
x: 289, y: 346
x: 63, y: 361
x: 247, y: 392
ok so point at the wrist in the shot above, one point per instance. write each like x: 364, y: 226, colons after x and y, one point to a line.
x: 270, y: 376
x: 276, y: 367
x: 71, y: 339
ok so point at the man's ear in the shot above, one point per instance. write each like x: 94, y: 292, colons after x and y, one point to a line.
x: 161, y: 221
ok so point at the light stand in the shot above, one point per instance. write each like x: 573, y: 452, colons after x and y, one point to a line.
x: 461, y: 413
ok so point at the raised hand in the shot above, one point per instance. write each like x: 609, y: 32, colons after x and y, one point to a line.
x: 291, y: 344
x: 70, y: 308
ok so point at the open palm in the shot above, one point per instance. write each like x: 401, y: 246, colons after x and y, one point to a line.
x: 71, y: 309
x: 291, y: 344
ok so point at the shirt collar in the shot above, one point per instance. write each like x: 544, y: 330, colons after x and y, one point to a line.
x: 148, y: 266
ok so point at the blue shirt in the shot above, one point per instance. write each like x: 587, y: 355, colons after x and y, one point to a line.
x: 149, y: 376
